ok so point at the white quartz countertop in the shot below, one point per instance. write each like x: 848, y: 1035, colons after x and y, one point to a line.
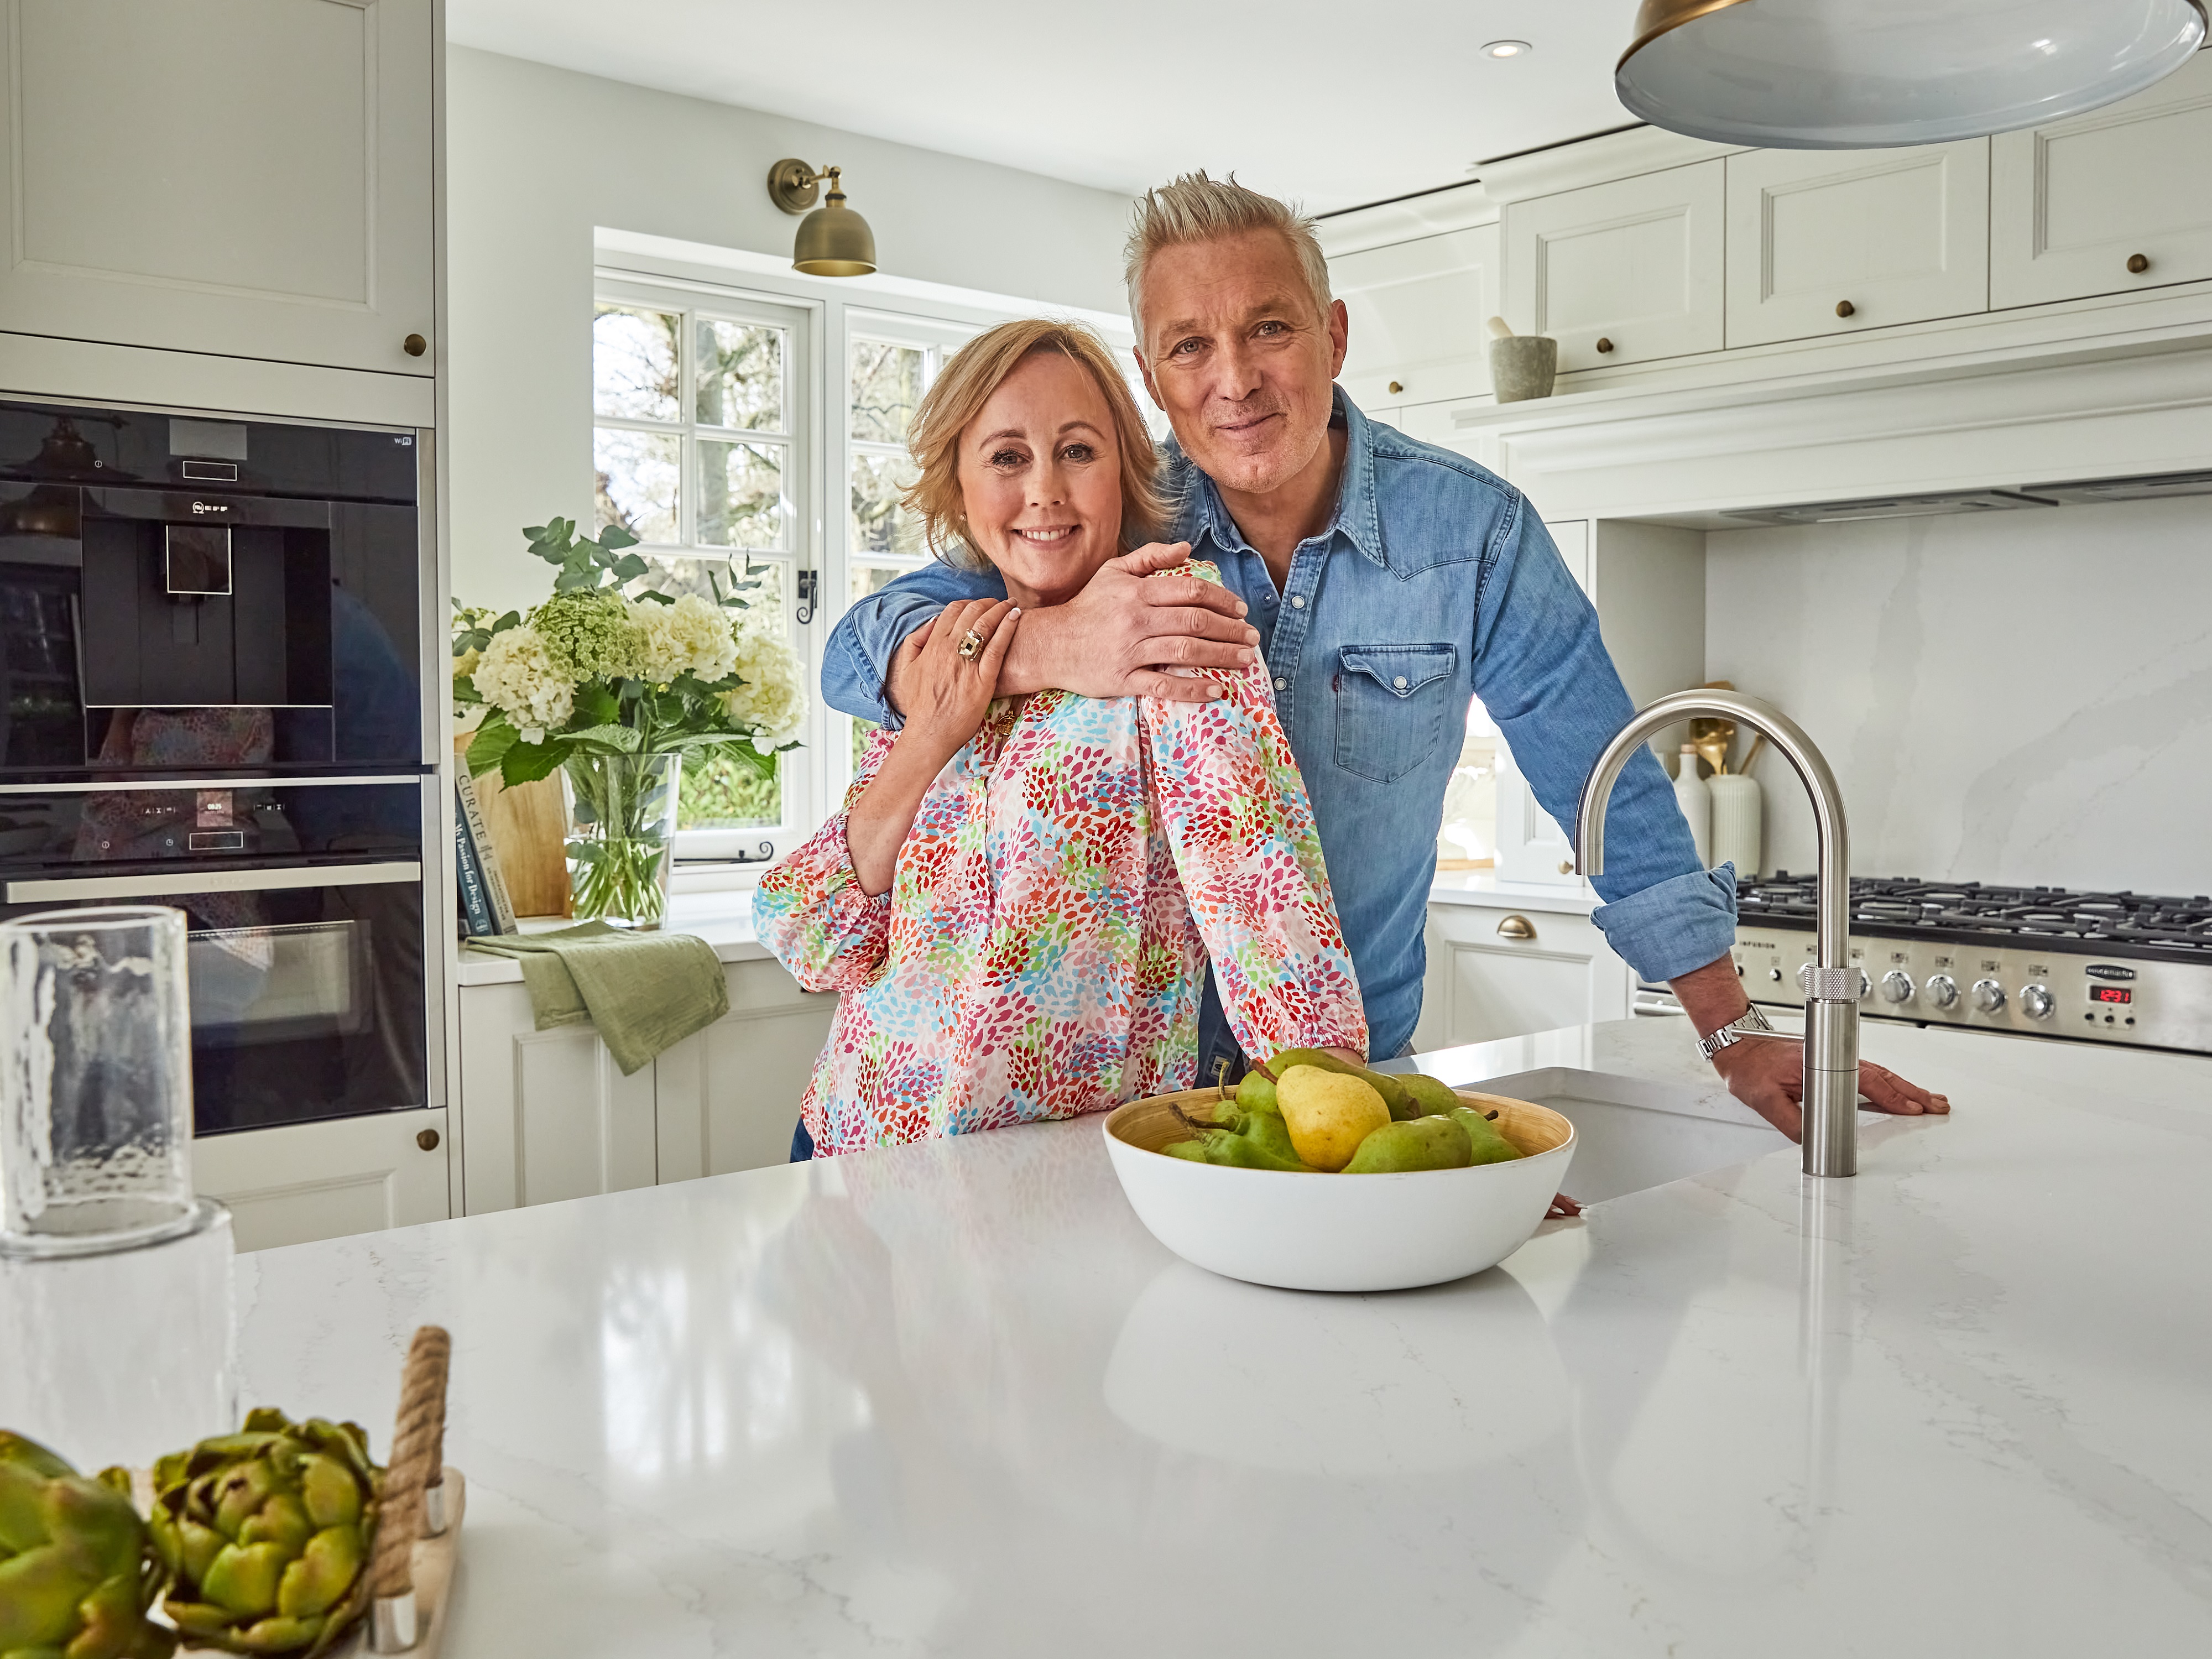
x: 954, y: 1399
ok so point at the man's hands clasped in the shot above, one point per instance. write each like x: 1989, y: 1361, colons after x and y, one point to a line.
x: 1119, y: 636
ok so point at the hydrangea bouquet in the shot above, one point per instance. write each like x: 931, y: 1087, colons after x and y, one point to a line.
x: 615, y: 691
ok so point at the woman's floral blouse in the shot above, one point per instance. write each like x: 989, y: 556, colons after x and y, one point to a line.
x: 1042, y: 947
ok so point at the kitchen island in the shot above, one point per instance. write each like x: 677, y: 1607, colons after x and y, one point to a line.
x: 954, y: 1399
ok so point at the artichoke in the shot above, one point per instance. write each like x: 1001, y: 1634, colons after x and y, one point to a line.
x: 267, y: 1533
x: 75, y: 1575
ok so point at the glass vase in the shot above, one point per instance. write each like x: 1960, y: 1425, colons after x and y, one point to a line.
x: 95, y: 1082
x: 622, y: 836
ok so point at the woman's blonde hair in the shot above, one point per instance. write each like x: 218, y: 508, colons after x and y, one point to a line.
x: 956, y: 396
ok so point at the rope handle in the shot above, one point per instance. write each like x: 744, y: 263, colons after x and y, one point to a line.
x: 418, y: 1442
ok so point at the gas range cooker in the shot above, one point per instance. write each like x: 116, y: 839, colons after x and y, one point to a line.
x: 2125, y: 968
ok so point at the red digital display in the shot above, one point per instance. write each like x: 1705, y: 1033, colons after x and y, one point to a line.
x: 2110, y: 993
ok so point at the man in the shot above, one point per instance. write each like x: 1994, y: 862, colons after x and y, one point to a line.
x: 1385, y: 581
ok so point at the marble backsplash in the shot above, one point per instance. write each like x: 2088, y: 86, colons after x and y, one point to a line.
x: 2013, y: 697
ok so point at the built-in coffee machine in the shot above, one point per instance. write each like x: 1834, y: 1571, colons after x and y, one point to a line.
x: 215, y: 675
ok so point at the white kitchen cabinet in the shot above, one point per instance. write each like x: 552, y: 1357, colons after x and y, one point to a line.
x: 1503, y: 970
x: 309, y: 1180
x: 1823, y: 243
x: 547, y: 1114
x: 728, y: 1097
x: 2073, y: 206
x: 1416, y: 311
x: 246, y: 178
x: 1621, y: 272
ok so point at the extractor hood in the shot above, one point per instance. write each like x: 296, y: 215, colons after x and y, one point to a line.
x: 2149, y: 487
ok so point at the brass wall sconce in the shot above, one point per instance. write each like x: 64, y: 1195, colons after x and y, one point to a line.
x: 833, y: 241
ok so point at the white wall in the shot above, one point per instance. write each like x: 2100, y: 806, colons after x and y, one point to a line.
x: 538, y: 159
x: 2021, y: 697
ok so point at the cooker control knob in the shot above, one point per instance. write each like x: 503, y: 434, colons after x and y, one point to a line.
x: 1989, y: 995
x: 1942, y: 990
x: 1897, y: 986
x: 2036, y: 1001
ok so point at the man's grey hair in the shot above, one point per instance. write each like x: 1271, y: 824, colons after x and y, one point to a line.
x: 1196, y: 208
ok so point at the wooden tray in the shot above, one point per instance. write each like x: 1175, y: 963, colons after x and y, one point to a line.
x: 1151, y: 1123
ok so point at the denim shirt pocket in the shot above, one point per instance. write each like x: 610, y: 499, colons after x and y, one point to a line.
x: 1391, y: 700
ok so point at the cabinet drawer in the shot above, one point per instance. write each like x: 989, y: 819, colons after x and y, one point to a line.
x: 2073, y: 206
x: 1622, y: 272
x: 1416, y: 311
x: 1822, y: 244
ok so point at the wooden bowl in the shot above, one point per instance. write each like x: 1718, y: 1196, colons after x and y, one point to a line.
x: 1329, y: 1232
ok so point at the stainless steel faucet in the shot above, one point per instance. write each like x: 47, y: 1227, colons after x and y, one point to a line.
x: 1831, y: 1005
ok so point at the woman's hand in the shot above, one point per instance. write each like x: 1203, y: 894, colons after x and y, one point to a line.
x: 945, y: 693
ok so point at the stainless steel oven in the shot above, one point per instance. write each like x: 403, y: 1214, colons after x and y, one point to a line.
x: 216, y: 674
x: 307, y: 940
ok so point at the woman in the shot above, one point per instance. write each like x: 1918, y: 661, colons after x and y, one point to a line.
x: 1020, y: 897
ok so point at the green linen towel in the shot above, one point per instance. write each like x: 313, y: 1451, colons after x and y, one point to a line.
x: 645, y: 992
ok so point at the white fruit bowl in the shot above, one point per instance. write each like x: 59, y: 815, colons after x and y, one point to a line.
x: 1338, y: 1233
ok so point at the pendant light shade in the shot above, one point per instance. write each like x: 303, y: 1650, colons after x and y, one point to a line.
x: 1868, y: 74
x: 833, y: 241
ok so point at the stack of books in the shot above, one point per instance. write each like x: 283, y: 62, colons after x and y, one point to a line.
x: 485, y: 908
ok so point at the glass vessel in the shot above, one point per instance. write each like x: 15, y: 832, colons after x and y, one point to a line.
x: 96, y: 1082
x: 622, y: 836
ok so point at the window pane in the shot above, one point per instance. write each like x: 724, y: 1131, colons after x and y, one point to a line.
x: 741, y: 494
x: 634, y: 370
x: 762, y: 587
x: 880, y: 525
x: 740, y: 375
x: 724, y: 794
x: 886, y: 385
x: 874, y: 578
x: 639, y: 478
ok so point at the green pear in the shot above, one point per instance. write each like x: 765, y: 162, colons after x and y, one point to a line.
x: 1328, y: 1114
x: 1430, y: 1095
x: 1422, y: 1143
x: 1256, y: 1093
x: 1490, y: 1146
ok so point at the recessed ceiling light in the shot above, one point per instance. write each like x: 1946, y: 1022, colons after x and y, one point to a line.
x: 1505, y: 48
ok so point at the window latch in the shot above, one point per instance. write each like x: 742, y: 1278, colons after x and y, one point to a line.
x: 809, y: 590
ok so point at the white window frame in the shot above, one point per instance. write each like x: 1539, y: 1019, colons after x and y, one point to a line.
x: 798, y: 436
x: 651, y: 270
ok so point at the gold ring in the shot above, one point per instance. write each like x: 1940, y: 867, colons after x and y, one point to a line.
x: 971, y: 643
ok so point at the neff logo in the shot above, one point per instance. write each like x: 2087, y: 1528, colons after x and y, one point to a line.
x: 209, y: 506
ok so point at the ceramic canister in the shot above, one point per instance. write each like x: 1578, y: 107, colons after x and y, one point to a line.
x: 1738, y: 813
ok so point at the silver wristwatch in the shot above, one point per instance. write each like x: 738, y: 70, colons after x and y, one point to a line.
x: 1752, y: 1023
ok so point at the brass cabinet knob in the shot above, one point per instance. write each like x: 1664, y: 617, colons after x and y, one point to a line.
x: 414, y: 345
x: 1566, y: 866
x: 2138, y: 264
x: 1604, y: 344
x: 427, y: 1140
x: 1517, y: 927
x: 1395, y: 386
x: 1844, y: 308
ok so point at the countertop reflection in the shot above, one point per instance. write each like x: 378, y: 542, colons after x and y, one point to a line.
x: 954, y: 1399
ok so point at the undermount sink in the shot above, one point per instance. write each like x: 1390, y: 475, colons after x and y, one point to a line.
x: 1631, y: 1133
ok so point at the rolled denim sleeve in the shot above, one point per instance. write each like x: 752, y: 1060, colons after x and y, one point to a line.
x: 1542, y: 671
x: 858, y: 659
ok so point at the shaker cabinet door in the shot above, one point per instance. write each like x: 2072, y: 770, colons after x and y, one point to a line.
x: 249, y: 177
x: 2118, y: 199
x: 1622, y: 272
x: 1820, y: 243
x: 1417, y: 311
x: 304, y: 1181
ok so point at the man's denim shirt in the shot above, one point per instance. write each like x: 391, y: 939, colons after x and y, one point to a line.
x: 1436, y: 582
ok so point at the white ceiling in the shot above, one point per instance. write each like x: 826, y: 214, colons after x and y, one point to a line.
x: 1337, y: 102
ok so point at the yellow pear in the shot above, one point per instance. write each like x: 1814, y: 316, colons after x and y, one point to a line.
x: 1328, y: 1115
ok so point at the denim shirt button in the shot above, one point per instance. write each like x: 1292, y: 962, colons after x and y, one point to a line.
x: 1282, y: 685
x: 1399, y: 681
x: 1298, y: 601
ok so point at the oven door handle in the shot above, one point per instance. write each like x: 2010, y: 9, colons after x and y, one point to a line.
x: 211, y: 881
